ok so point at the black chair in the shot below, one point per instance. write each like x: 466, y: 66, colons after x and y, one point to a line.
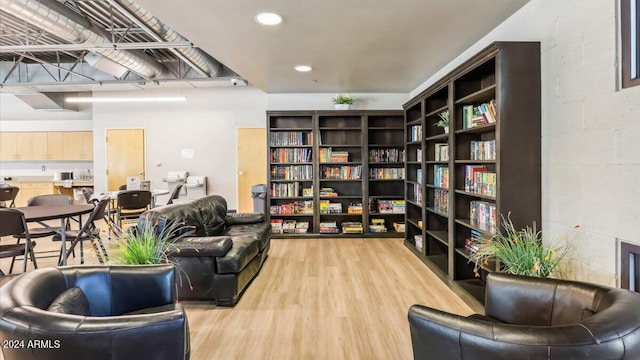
x: 175, y: 194
x: 12, y: 222
x: 122, y: 187
x: 131, y: 204
x: 89, y: 231
x: 87, y: 192
x: 536, y: 319
x: 8, y: 194
x: 94, y: 312
x: 46, y: 200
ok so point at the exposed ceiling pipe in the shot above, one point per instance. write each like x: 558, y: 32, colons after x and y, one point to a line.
x: 61, y: 21
x: 195, y: 57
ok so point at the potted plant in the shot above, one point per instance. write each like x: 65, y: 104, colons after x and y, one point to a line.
x: 444, y: 121
x: 521, y: 252
x: 343, y: 101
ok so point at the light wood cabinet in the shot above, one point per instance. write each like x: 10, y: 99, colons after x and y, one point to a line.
x: 55, y: 145
x: 78, y: 145
x: 29, y: 190
x: 52, y: 145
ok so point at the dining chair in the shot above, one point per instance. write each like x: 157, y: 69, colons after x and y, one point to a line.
x: 12, y: 222
x: 8, y: 195
x: 87, y: 192
x: 175, y: 194
x: 131, y: 204
x: 90, y: 232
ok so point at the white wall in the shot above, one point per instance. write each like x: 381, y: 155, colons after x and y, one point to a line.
x: 590, y: 130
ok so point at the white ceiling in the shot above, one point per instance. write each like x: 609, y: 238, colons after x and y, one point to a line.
x: 352, y: 45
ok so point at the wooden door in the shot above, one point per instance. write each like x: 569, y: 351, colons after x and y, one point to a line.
x: 40, y: 146
x: 252, y: 164
x: 125, y: 156
x: 55, y: 145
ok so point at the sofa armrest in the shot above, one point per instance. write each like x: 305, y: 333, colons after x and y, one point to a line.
x: 211, y: 246
x: 243, y: 218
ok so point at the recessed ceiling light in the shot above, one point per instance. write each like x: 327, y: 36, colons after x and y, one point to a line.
x: 267, y: 18
x: 303, y: 68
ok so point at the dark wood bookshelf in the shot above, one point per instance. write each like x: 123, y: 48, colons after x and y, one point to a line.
x: 509, y: 74
x: 357, y: 132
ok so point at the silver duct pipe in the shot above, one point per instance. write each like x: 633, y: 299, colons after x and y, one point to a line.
x: 194, y: 56
x: 63, y: 22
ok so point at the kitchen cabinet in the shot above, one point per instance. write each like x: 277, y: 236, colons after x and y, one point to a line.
x: 78, y: 145
x: 55, y: 145
x: 31, y: 189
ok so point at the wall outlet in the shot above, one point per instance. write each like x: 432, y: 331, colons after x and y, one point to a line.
x: 44, y: 168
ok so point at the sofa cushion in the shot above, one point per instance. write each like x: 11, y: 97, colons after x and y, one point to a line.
x: 71, y: 301
x: 211, y: 246
x: 186, y: 216
x: 244, y: 218
x: 260, y: 232
x: 244, y: 249
x: 213, y: 210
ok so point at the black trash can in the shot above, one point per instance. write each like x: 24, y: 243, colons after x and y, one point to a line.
x: 259, y: 195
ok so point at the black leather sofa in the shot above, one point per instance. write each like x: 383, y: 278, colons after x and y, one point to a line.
x: 533, y: 318
x: 223, y: 252
x: 93, y: 312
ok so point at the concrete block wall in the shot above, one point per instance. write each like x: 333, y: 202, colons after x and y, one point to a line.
x: 590, y: 129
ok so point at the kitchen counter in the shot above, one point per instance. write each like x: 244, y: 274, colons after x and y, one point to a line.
x: 75, y: 183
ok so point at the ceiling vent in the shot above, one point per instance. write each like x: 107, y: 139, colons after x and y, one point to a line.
x: 48, y: 101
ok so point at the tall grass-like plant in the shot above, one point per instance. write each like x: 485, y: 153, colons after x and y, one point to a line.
x: 147, y: 245
x: 521, y: 252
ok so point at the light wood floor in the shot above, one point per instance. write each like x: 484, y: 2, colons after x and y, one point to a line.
x: 318, y: 299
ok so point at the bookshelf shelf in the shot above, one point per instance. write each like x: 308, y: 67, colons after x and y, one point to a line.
x: 352, y: 138
x: 480, y: 95
x: 485, y: 91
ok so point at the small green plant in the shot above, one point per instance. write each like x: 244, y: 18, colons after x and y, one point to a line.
x: 521, y: 252
x: 444, y: 119
x: 148, y: 246
x: 343, y: 99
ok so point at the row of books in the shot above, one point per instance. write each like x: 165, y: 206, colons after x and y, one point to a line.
x: 289, y: 155
x: 386, y: 155
x: 341, y: 172
x: 441, y: 152
x: 476, y: 115
x: 390, y: 206
x: 441, y: 175
x: 482, y: 150
x: 290, y: 138
x: 293, y: 208
x: 285, y: 189
x: 289, y: 226
x: 328, y: 155
x: 441, y: 200
x: 415, y: 133
x: 292, y: 172
x: 386, y: 173
x: 327, y: 207
x: 478, y: 179
x: 329, y: 227
x: 484, y: 213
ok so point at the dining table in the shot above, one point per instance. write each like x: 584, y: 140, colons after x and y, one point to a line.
x: 53, y: 212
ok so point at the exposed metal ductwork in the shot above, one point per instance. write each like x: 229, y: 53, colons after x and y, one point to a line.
x: 63, y: 22
x: 194, y: 56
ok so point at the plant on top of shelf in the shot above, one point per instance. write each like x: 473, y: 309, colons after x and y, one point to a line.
x: 444, y: 121
x: 521, y: 252
x: 343, y: 99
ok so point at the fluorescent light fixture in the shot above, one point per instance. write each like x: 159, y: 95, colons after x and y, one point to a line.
x: 125, y: 99
x: 267, y: 18
x: 303, y: 68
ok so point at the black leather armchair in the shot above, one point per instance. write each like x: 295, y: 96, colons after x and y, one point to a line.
x: 131, y: 314
x: 533, y: 318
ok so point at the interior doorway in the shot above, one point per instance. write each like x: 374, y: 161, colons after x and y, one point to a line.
x: 125, y: 156
x: 252, y: 164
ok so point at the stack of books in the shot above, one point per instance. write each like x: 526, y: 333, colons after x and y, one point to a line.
x: 302, y: 227
x: 329, y: 227
x: 354, y: 208
x: 289, y: 227
x: 377, y: 226
x: 352, y: 227
x: 276, y: 226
